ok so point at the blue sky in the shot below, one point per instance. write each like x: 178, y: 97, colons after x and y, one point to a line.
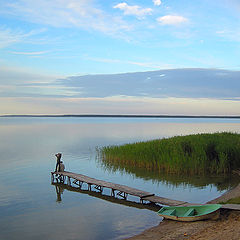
x: 42, y: 41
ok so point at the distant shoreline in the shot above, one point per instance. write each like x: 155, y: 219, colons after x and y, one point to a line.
x: 123, y: 116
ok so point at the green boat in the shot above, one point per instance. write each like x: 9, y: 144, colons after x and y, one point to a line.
x: 191, y: 213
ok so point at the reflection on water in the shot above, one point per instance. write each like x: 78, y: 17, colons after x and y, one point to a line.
x: 221, y: 182
x: 131, y: 202
x: 59, y: 192
x: 28, y: 204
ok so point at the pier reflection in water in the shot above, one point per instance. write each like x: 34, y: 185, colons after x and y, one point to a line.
x: 60, y: 187
x: 59, y: 192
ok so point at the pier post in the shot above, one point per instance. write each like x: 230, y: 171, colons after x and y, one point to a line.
x: 69, y: 181
x: 52, y: 177
x: 113, y: 193
x: 99, y: 188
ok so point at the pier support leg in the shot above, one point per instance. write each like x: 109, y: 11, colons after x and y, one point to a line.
x: 52, y: 177
x: 122, y: 194
x: 99, y: 188
x: 69, y: 181
x: 89, y: 187
x: 78, y: 182
x: 61, y: 178
x: 113, y: 193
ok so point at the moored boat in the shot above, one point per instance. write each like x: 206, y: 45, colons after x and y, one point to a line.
x: 191, y: 213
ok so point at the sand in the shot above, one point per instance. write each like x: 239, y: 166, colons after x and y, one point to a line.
x: 227, y: 227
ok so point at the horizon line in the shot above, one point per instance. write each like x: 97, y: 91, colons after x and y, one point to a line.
x: 122, y: 115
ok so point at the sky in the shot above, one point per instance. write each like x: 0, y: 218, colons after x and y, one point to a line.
x: 47, y: 45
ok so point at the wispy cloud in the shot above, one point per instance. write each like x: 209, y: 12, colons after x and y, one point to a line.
x: 66, y: 13
x: 229, y: 34
x: 151, y: 65
x: 7, y: 38
x: 134, y: 10
x: 30, y: 53
x: 172, y: 20
x: 10, y: 36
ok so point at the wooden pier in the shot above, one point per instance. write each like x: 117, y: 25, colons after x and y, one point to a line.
x: 122, y: 191
x: 116, y: 189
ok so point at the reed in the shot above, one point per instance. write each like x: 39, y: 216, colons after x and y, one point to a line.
x: 193, y: 154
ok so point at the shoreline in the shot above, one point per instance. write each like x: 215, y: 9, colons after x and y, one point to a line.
x: 226, y: 227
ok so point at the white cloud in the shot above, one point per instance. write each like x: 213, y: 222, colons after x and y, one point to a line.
x: 135, y: 10
x: 172, y: 20
x: 157, y: 2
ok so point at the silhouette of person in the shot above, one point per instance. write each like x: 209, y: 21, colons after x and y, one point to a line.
x: 58, y: 155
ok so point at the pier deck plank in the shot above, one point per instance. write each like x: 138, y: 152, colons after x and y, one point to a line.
x: 164, y: 201
x: 117, y: 187
x: 231, y: 206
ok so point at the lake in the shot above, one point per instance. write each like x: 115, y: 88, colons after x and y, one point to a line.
x: 32, y: 208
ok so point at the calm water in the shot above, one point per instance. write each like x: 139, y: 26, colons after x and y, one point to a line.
x: 30, y: 207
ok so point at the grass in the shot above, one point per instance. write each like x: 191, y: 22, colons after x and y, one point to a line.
x: 232, y: 201
x: 215, y: 153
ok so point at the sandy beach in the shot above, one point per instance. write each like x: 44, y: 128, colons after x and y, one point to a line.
x: 226, y: 227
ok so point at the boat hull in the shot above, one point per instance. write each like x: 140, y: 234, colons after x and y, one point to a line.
x: 191, y: 213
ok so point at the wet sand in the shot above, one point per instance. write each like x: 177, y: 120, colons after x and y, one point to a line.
x: 227, y: 227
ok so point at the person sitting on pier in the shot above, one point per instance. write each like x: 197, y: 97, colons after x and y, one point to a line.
x: 61, y: 167
x: 58, y: 155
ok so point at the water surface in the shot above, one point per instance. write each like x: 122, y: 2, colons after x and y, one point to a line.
x: 29, y: 205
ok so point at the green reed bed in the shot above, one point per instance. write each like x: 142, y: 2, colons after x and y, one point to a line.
x: 192, y: 154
